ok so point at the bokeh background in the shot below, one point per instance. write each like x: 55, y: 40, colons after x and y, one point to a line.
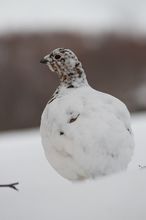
x: 109, y: 38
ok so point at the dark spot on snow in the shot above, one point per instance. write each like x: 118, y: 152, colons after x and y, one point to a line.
x: 73, y: 119
x: 61, y: 133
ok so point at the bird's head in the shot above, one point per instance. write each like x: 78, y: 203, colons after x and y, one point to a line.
x: 64, y: 62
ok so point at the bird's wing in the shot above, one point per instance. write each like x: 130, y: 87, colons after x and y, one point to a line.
x: 121, y: 112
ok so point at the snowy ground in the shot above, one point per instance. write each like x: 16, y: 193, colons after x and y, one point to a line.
x: 43, y: 194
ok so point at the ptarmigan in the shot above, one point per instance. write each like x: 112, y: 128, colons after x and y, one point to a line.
x: 85, y: 133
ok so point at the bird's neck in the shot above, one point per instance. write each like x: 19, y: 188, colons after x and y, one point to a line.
x: 73, y: 79
x: 68, y: 81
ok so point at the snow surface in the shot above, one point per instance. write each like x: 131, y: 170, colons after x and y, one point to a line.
x: 43, y: 194
x: 83, y: 15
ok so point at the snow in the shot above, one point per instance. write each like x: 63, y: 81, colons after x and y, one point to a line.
x: 139, y: 128
x: 43, y: 194
x: 83, y: 15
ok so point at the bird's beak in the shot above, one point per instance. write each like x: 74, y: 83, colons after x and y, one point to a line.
x: 47, y: 61
x: 43, y: 61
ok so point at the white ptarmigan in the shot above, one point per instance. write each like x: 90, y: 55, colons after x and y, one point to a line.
x: 85, y: 133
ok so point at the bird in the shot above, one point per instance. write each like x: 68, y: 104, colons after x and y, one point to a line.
x: 85, y: 133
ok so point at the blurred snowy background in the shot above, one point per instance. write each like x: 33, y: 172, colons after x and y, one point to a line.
x: 108, y: 36
x: 110, y: 40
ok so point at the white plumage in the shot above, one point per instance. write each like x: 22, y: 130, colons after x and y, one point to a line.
x: 85, y: 133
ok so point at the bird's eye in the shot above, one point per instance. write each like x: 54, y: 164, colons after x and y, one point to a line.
x: 57, y: 57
